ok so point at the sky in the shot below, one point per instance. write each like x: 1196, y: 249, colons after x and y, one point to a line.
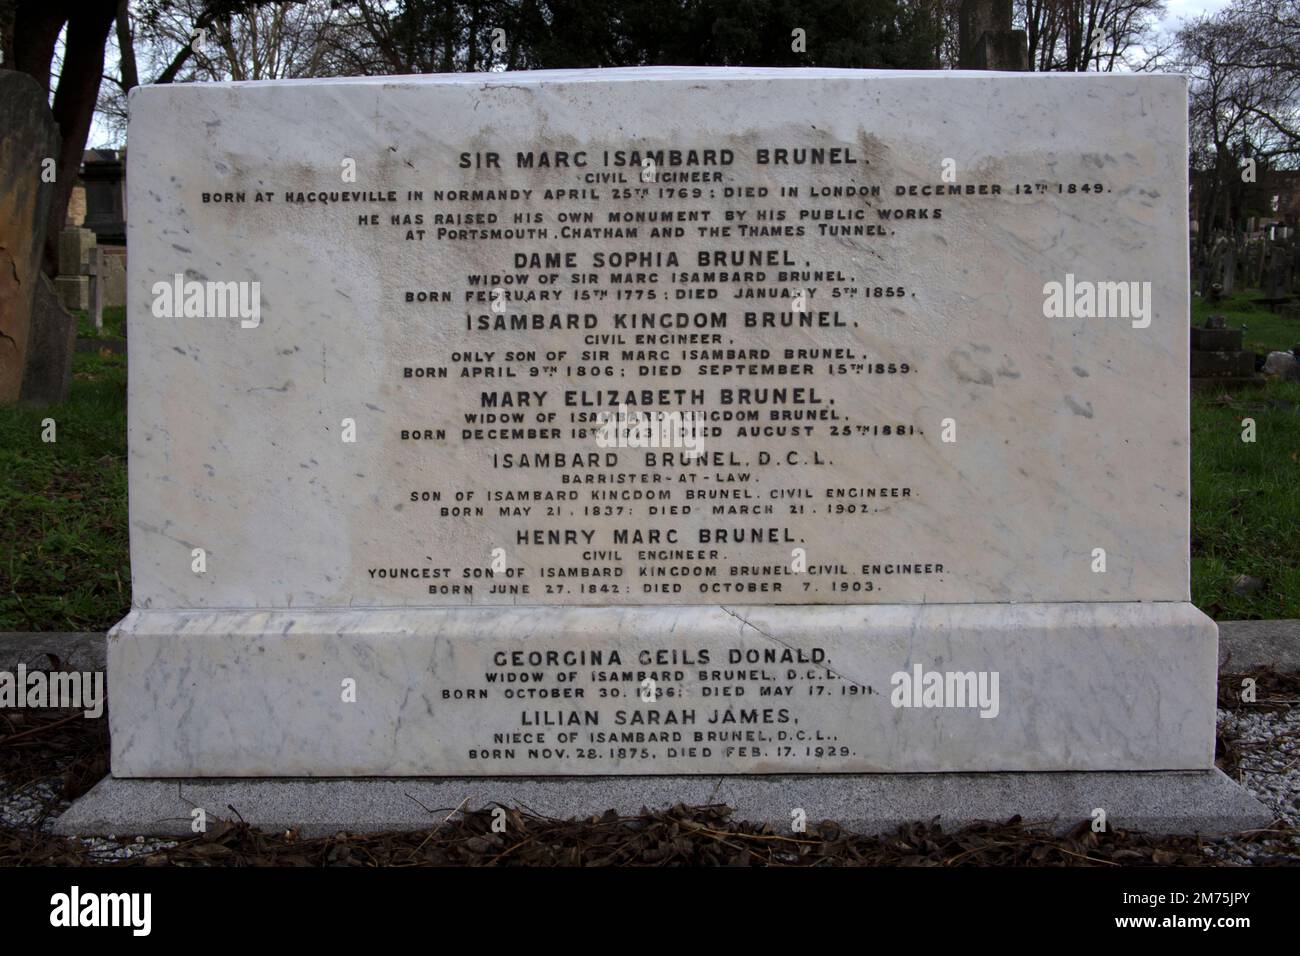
x: 1187, y: 9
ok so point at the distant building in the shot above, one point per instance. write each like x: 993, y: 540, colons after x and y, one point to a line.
x: 103, y: 174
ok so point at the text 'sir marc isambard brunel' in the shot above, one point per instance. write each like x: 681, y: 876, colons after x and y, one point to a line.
x: 655, y: 373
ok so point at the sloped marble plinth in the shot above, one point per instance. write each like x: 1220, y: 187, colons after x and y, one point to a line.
x: 739, y: 689
x: 1201, y: 802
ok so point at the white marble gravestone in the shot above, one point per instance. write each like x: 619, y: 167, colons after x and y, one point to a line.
x: 934, y: 328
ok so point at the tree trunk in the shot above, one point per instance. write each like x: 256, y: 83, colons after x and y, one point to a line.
x: 37, y: 26
x: 8, y: 13
x: 74, y: 107
x: 126, y: 47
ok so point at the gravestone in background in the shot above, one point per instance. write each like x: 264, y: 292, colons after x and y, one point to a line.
x: 51, y: 344
x: 934, y: 326
x: 30, y: 135
x: 73, y: 282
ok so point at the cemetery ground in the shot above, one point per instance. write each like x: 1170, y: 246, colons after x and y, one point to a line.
x: 50, y: 758
x: 1246, y: 496
x: 64, y: 567
x: 63, y: 519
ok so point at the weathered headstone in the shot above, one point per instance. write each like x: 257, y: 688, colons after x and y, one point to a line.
x: 1213, y: 288
x: 908, y: 489
x: 74, y: 250
x: 73, y: 291
x: 95, y: 271
x: 1200, y: 271
x: 113, y: 275
x: 74, y: 284
x: 51, y: 345
x: 29, y: 136
x: 76, y: 207
x: 1250, y: 264
x: 1284, y: 365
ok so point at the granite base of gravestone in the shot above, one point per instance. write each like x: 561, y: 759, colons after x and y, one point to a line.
x: 1201, y: 803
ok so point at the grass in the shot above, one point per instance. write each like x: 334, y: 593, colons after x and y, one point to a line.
x: 63, y: 522
x: 114, y: 323
x: 63, y: 525
x: 1246, y: 502
x: 1246, y: 496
